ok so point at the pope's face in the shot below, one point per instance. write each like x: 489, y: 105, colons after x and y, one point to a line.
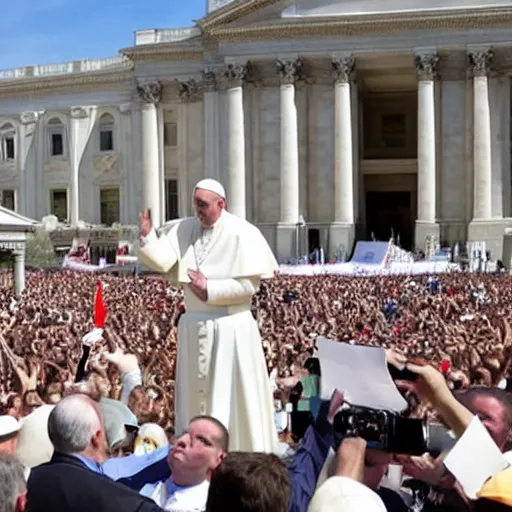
x: 208, y: 206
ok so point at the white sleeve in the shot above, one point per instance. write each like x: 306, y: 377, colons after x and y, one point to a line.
x: 475, y: 458
x: 226, y: 292
x: 131, y: 380
x: 157, y: 253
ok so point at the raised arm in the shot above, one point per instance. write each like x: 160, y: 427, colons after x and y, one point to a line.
x: 157, y: 253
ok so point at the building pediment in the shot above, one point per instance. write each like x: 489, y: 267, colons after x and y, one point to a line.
x: 313, y: 8
x: 250, y: 20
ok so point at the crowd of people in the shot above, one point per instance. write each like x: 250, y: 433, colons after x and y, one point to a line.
x: 458, y: 321
x: 460, y: 318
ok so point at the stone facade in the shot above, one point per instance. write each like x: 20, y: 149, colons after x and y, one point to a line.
x: 359, y: 117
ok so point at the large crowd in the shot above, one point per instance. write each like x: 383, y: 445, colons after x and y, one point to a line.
x: 461, y: 318
x: 456, y: 325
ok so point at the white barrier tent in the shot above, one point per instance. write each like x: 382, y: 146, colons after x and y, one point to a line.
x: 394, y: 268
x: 374, y: 258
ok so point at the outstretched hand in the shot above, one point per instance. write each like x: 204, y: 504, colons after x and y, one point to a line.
x: 430, y: 387
x: 124, y: 362
x: 145, y: 224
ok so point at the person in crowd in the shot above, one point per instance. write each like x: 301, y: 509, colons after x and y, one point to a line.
x: 9, y: 430
x: 74, y: 479
x: 219, y: 260
x: 13, y: 488
x: 192, y: 460
x: 250, y: 482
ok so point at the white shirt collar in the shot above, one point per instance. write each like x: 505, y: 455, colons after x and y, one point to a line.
x: 175, y: 498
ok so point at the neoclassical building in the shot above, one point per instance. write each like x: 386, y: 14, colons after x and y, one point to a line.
x: 360, y: 117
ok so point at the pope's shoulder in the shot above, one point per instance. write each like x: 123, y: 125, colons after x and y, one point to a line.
x: 238, y: 225
x: 232, y: 224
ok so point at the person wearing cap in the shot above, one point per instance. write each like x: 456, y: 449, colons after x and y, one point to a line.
x: 9, y: 429
x: 219, y: 260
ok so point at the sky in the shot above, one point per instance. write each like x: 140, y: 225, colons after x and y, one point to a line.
x: 50, y: 31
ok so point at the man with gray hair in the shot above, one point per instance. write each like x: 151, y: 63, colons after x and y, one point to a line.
x: 74, y: 480
x: 13, y: 489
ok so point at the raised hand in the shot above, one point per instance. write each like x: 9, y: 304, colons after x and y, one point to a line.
x: 145, y: 224
x: 124, y: 362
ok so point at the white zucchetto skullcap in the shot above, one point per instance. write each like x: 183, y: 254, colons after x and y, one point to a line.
x: 212, y: 186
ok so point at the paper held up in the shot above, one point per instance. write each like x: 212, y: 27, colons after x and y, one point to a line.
x: 475, y: 458
x: 360, y: 372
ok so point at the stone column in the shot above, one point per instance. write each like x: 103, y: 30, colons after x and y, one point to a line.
x: 480, y: 64
x: 150, y: 95
x: 342, y: 230
x: 26, y: 199
x: 235, y: 74
x: 211, y: 125
x: 289, y: 71
x: 77, y: 115
x: 427, y: 68
x: 19, y: 271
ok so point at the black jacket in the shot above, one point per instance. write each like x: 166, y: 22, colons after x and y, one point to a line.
x: 65, y: 484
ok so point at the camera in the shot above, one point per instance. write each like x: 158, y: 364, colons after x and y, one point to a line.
x: 382, y: 430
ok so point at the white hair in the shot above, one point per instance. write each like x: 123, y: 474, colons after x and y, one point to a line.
x: 73, y: 423
x: 12, y: 482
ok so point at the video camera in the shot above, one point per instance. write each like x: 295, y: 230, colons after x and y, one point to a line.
x: 389, y: 432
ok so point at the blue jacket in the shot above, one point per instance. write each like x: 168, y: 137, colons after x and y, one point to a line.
x: 143, y: 473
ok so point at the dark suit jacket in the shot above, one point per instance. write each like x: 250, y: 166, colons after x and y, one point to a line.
x: 65, y: 484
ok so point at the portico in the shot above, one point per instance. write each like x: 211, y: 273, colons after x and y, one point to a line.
x: 322, y: 110
x: 13, y: 237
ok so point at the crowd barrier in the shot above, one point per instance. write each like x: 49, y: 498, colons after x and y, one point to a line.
x: 351, y: 268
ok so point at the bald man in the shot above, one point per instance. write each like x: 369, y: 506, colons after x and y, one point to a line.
x: 74, y: 481
x: 219, y: 260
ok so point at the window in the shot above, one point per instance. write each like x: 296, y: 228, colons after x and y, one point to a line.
x: 8, y: 199
x: 109, y: 205
x: 56, y: 135
x: 7, y: 137
x: 171, y: 199
x: 59, y: 204
x: 170, y: 135
x: 107, y: 133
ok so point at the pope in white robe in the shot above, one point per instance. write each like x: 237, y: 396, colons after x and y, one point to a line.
x: 219, y: 260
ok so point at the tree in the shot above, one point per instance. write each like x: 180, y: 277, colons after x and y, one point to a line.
x: 39, y: 249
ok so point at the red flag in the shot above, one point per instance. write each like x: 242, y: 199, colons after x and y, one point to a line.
x: 445, y: 366
x: 100, y: 311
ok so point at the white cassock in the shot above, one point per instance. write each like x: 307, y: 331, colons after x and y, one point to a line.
x: 221, y: 369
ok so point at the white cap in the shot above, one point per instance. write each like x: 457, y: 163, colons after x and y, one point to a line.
x: 342, y: 493
x: 212, y: 186
x: 92, y: 337
x: 8, y: 425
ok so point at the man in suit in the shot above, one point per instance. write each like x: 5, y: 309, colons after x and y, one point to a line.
x: 13, y: 489
x: 74, y: 480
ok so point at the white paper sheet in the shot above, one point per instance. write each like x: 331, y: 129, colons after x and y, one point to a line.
x: 360, y: 372
x: 475, y: 458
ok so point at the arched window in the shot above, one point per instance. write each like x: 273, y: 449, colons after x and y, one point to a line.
x: 56, y: 137
x: 7, y: 140
x: 106, y: 133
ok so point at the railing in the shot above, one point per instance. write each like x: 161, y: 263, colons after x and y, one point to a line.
x: 64, y: 68
x: 165, y: 35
